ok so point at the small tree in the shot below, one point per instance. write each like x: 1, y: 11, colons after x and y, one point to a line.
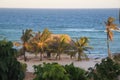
x: 58, y: 46
x: 39, y: 41
x: 26, y: 35
x: 80, y: 46
x: 110, y: 26
x: 10, y: 68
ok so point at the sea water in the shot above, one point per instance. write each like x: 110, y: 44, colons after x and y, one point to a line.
x: 74, y: 22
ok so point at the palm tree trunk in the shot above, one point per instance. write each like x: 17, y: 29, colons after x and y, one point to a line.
x: 24, y: 49
x: 56, y: 56
x: 119, y: 16
x: 40, y: 56
x: 59, y: 57
x: 108, y: 47
x: 79, y: 57
x: 48, y: 54
x: 36, y: 54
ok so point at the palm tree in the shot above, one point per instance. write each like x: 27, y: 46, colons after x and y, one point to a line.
x: 26, y: 35
x: 34, y: 43
x: 59, y: 46
x: 60, y: 43
x: 80, y: 46
x: 40, y: 40
x: 119, y: 16
x: 110, y: 26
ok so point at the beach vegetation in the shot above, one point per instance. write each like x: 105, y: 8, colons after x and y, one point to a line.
x: 81, y: 45
x: 26, y: 35
x: 10, y: 68
x: 109, y: 27
x: 55, y: 71
x: 46, y: 43
x: 39, y: 42
x: 106, y: 70
x: 58, y: 46
x: 75, y: 73
x: 49, y: 71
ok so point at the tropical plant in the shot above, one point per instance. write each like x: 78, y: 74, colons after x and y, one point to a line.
x: 49, y: 71
x: 58, y: 46
x: 110, y: 26
x: 10, y: 68
x: 80, y: 46
x: 33, y: 43
x: 106, y: 70
x: 119, y: 16
x: 75, y: 73
x: 26, y: 35
x: 39, y: 42
x: 24, y: 67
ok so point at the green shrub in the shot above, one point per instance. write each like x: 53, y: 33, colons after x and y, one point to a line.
x: 10, y: 68
x: 49, y: 71
x: 24, y: 67
x: 75, y: 72
x: 55, y: 71
x: 106, y: 70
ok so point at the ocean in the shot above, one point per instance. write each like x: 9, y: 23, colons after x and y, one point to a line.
x: 74, y: 22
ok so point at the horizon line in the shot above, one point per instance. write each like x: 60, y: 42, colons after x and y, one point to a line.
x: 51, y: 8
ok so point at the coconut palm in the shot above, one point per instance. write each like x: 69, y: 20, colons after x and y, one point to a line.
x: 33, y: 43
x: 26, y: 35
x: 71, y: 51
x: 109, y: 27
x: 119, y: 16
x: 59, y: 45
x: 40, y: 40
x: 80, y: 46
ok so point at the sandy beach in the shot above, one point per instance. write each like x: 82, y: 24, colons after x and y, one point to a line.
x: 32, y: 60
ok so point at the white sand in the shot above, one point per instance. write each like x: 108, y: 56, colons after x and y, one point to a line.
x: 64, y: 60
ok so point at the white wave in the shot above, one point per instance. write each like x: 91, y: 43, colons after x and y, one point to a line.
x: 118, y: 30
x: 113, y: 30
x: 78, y: 30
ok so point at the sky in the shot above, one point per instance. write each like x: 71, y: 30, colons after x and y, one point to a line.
x: 59, y: 3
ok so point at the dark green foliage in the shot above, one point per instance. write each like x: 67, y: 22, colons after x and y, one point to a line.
x: 55, y: 71
x: 10, y: 68
x: 75, y: 72
x: 106, y: 70
x: 24, y: 67
x: 49, y: 71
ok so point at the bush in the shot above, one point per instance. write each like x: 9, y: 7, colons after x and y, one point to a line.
x: 55, y: 71
x: 106, y: 70
x: 24, y: 67
x: 49, y: 71
x: 75, y: 72
x: 10, y: 68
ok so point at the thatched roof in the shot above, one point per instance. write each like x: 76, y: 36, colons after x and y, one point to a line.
x: 66, y: 37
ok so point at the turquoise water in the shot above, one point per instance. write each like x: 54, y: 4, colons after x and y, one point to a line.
x: 75, y: 22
